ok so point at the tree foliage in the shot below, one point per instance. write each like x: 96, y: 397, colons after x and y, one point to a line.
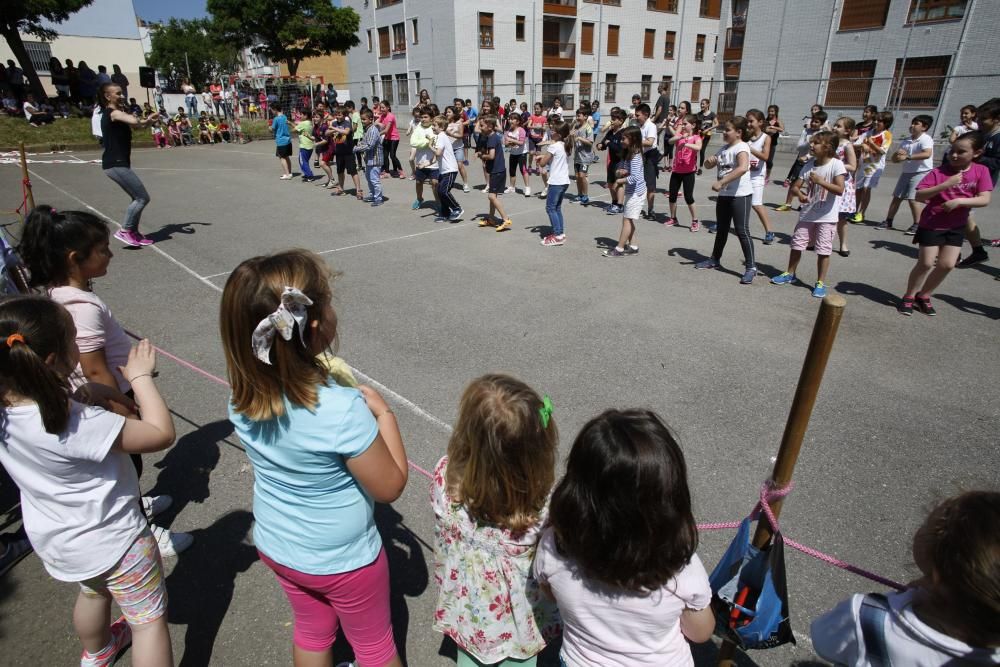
x: 17, y: 16
x: 205, y: 55
x: 286, y: 30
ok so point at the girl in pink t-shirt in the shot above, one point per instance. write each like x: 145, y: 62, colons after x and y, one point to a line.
x: 949, y: 191
x: 687, y: 143
x: 390, y: 131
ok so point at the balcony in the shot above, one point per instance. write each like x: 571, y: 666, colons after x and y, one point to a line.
x: 734, y: 44
x: 560, y: 7
x: 559, y: 55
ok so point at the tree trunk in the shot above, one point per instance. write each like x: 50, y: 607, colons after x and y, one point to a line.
x: 293, y: 66
x: 16, y: 45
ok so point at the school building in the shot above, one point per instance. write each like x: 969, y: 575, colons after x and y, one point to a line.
x: 534, y: 50
x: 906, y: 56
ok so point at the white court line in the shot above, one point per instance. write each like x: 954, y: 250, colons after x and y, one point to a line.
x: 399, y: 398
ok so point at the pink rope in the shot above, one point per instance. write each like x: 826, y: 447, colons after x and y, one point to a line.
x: 768, y: 494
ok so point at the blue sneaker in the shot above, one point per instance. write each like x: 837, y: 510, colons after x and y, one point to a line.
x: 440, y: 218
x: 768, y: 238
x: 707, y: 264
x: 748, y: 276
x: 378, y: 202
x: 710, y: 226
x: 583, y: 201
x: 416, y: 204
x: 457, y: 215
x: 613, y: 209
x: 819, y: 291
x: 783, y: 278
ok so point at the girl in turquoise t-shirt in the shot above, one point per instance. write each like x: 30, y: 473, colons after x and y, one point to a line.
x: 322, y: 455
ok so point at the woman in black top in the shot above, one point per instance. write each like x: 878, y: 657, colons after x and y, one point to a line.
x: 774, y: 129
x: 116, y: 126
x: 706, y: 125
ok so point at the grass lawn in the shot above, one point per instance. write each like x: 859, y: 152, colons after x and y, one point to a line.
x: 74, y: 133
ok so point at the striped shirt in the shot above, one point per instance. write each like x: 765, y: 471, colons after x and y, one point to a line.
x: 371, y: 146
x: 635, y: 184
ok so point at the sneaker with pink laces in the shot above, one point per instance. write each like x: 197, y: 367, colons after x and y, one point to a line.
x: 121, y: 637
x: 128, y: 237
x: 695, y: 225
x: 143, y: 239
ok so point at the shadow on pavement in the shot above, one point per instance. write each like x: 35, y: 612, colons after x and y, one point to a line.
x: 879, y: 296
x: 186, y: 468
x: 166, y: 232
x: 971, y: 307
x: 906, y: 249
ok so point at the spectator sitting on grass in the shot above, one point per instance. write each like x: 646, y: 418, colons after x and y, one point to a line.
x: 35, y: 115
x: 11, y: 106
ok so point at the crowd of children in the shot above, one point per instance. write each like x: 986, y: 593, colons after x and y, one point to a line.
x: 605, y: 556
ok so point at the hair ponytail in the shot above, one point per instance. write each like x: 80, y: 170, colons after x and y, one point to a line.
x: 565, y: 136
x: 48, y: 239
x: 31, y: 329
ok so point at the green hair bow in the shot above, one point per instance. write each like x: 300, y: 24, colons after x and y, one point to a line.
x: 545, y: 412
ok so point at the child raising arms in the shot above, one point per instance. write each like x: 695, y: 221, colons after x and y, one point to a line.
x: 322, y: 455
x: 79, y: 492
x: 619, y: 555
x: 490, y: 498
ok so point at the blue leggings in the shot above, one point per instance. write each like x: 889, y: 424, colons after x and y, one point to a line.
x: 133, y: 187
x: 304, y: 155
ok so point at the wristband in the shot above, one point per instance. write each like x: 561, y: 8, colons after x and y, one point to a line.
x: 131, y: 380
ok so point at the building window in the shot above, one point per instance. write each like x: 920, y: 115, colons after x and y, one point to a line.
x: 399, y: 38
x: 374, y: 92
x: 612, y: 40
x: 379, y: 4
x: 416, y: 81
x: 416, y: 35
x: 519, y: 28
x: 369, y: 41
x: 486, y: 83
x: 924, y: 11
x: 383, y: 42
x: 647, y: 43
x: 586, y: 83
x: 699, y: 48
x: 610, y: 85
x: 402, y: 90
x: 696, y: 88
x: 668, y: 83
x: 387, y: 88
x: 40, y: 53
x: 614, y: 3
x: 662, y: 6
x: 668, y: 48
x: 587, y: 38
x: 485, y: 30
x: 921, y: 83
x: 710, y: 9
x: 850, y: 83
x: 519, y: 82
x: 645, y: 87
x: 861, y: 14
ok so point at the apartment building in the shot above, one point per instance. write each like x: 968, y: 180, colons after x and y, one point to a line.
x: 534, y: 50
x: 908, y: 56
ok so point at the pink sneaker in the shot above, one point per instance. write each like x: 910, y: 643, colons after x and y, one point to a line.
x: 121, y: 637
x: 129, y: 238
x: 695, y: 225
x: 143, y: 239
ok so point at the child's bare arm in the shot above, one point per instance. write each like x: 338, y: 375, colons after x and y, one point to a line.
x: 979, y: 201
x: 698, y: 625
x: 95, y: 368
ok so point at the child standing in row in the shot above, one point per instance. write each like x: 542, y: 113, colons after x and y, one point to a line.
x: 556, y: 158
x: 322, y: 454
x: 490, y: 498
x: 848, y: 201
x: 491, y: 154
x: 802, y: 155
x: 633, y: 180
x: 79, y: 493
x: 760, y: 148
x: 818, y: 188
x: 872, y: 147
x: 988, y: 117
x: 612, y: 143
x: 445, y: 153
x: 304, y: 129
x: 917, y: 152
x: 583, y: 154
x: 619, y: 554
x: 686, y: 141
x: 732, y: 206
x: 456, y: 132
x: 370, y: 147
x: 423, y: 139
x: 516, y: 142
x: 949, y: 191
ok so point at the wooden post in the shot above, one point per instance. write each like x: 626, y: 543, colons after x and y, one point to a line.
x: 27, y: 182
x: 818, y: 353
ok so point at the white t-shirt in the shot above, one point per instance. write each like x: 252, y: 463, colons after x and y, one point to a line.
x: 837, y: 637
x: 558, y: 166
x: 78, y: 498
x: 448, y: 163
x: 823, y: 205
x: 96, y: 329
x: 728, y: 159
x: 516, y: 135
x: 648, y: 130
x: 919, y: 145
x: 758, y: 168
x: 603, y: 627
x: 95, y: 123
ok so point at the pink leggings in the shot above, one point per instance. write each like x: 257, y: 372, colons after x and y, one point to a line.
x: 358, y: 600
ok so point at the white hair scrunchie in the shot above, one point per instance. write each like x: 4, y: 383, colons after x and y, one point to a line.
x: 291, y: 311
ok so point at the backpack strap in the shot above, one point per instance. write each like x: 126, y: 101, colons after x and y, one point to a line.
x: 873, y: 613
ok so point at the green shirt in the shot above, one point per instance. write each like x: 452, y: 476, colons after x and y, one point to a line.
x: 356, y: 120
x: 304, y: 129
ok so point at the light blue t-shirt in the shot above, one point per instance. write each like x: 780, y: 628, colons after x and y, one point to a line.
x: 282, y: 136
x: 310, y: 513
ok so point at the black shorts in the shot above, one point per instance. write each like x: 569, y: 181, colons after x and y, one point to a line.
x: 283, y: 151
x: 516, y: 162
x: 649, y: 161
x: 613, y: 168
x: 498, y: 182
x: 940, y: 237
x: 346, y: 162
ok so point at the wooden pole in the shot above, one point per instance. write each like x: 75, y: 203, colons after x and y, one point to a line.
x: 30, y: 198
x: 818, y: 353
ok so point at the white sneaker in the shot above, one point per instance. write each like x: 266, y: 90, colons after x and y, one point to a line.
x: 510, y: 190
x: 466, y: 188
x: 544, y: 193
x: 527, y: 192
x: 153, y: 505
x: 286, y: 177
x: 170, y: 543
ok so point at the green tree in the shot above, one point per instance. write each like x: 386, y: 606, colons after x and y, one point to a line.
x: 182, y: 44
x: 17, y: 16
x: 286, y: 30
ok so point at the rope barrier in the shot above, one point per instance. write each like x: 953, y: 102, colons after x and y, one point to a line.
x: 768, y: 494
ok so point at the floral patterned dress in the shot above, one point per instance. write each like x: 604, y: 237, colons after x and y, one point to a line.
x: 848, y: 200
x: 488, y: 601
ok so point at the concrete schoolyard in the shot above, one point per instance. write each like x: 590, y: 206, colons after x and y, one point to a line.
x: 907, y: 413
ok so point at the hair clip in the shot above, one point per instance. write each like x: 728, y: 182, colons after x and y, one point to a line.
x: 545, y: 412
x: 291, y: 311
x: 53, y: 210
x: 14, y: 338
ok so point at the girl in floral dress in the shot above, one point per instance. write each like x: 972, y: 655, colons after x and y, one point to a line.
x: 843, y: 128
x: 490, y: 496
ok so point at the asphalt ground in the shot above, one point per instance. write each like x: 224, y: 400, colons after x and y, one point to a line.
x: 907, y: 412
